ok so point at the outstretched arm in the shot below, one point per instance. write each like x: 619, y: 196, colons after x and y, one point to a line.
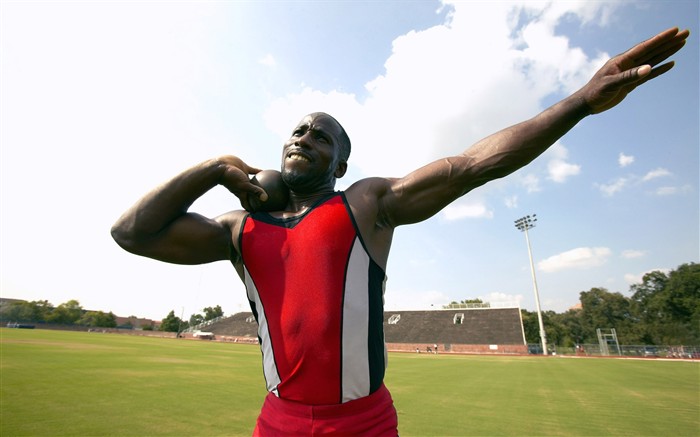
x: 426, y: 191
x: 159, y: 225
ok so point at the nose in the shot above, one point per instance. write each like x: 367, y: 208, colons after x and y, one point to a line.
x: 303, y: 141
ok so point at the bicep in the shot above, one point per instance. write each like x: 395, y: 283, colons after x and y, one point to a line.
x: 189, y: 239
x: 426, y: 191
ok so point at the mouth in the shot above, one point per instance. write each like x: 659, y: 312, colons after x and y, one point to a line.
x: 298, y: 156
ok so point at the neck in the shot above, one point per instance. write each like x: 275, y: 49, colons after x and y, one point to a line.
x: 299, y: 202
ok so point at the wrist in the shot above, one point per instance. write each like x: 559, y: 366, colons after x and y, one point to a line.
x: 217, y: 168
x: 580, y: 105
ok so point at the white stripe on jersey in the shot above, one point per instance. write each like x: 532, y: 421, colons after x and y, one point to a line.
x: 355, y: 361
x: 272, y: 378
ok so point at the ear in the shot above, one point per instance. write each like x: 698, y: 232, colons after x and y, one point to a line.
x: 340, y: 169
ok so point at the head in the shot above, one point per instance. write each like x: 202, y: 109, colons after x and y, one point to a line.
x: 316, y: 154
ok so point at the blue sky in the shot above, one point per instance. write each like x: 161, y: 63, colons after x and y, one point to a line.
x: 101, y: 101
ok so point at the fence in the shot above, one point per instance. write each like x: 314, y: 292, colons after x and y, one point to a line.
x: 646, y: 351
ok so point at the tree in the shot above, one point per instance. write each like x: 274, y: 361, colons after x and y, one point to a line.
x: 671, y: 305
x: 652, y: 284
x: 531, y: 326
x: 605, y: 310
x: 212, y: 313
x: 35, y: 311
x: 196, y: 319
x: 172, y: 323
x: 98, y: 319
x: 461, y: 303
x: 17, y: 312
x: 645, y: 300
x: 67, y: 313
x: 572, y: 327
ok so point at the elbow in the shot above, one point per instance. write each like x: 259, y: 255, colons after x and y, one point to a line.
x: 123, y: 236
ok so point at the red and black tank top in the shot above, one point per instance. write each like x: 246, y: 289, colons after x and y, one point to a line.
x: 318, y: 298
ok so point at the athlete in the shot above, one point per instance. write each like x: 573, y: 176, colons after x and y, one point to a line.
x: 314, y: 271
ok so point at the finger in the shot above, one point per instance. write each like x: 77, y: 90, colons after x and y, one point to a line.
x: 250, y: 203
x: 658, y: 71
x: 251, y: 170
x: 640, y: 50
x: 654, y: 73
x: 658, y: 56
x: 245, y: 203
x: 256, y: 191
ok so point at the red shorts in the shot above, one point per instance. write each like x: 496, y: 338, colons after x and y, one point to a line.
x: 373, y: 415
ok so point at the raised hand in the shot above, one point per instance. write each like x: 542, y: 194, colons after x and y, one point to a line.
x: 237, y: 180
x: 625, y: 72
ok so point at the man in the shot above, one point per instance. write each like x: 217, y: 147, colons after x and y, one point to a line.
x: 314, y: 272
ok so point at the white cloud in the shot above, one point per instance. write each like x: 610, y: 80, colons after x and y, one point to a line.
x: 283, y: 114
x: 531, y: 183
x: 625, y: 160
x: 654, y: 174
x: 511, y: 202
x: 666, y: 191
x: 498, y: 297
x: 621, y: 183
x: 458, y: 211
x: 268, y: 61
x: 629, y: 254
x: 407, y: 300
x: 559, y: 170
x: 670, y: 191
x: 632, y: 279
x: 579, y: 258
x: 613, y: 187
x: 422, y: 262
x: 440, y: 104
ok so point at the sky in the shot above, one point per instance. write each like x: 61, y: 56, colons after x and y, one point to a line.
x: 102, y: 101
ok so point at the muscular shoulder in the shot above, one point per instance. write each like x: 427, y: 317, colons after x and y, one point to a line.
x: 367, y: 198
x: 233, y: 221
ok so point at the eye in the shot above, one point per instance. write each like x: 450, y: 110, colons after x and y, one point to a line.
x: 321, y: 137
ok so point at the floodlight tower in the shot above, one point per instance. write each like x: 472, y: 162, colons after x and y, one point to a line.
x: 523, y: 224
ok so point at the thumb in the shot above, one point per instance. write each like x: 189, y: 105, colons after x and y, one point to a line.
x: 643, y: 71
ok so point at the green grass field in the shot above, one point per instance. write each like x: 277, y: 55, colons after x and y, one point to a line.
x: 57, y: 383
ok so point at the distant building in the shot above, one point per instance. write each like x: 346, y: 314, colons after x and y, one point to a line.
x: 576, y: 307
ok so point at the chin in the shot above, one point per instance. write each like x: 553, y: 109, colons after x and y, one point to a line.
x: 293, y: 178
x: 302, y: 182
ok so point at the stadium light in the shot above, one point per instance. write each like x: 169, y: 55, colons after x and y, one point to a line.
x: 523, y: 224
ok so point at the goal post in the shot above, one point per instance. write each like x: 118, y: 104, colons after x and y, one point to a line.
x: 607, y: 339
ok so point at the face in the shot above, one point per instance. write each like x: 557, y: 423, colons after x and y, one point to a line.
x: 311, y: 156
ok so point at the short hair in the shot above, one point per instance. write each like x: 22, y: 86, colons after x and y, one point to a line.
x: 345, y: 144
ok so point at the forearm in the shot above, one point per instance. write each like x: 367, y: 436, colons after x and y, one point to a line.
x: 166, y: 203
x: 510, y: 149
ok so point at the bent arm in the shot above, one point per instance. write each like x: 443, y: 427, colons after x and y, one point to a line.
x: 159, y: 225
x: 426, y: 191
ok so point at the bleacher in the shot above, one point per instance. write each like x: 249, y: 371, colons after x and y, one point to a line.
x: 462, y: 326
x: 240, y: 325
x: 481, y: 330
x: 473, y: 330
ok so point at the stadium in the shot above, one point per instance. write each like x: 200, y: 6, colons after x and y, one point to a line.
x: 452, y: 372
x: 467, y: 330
